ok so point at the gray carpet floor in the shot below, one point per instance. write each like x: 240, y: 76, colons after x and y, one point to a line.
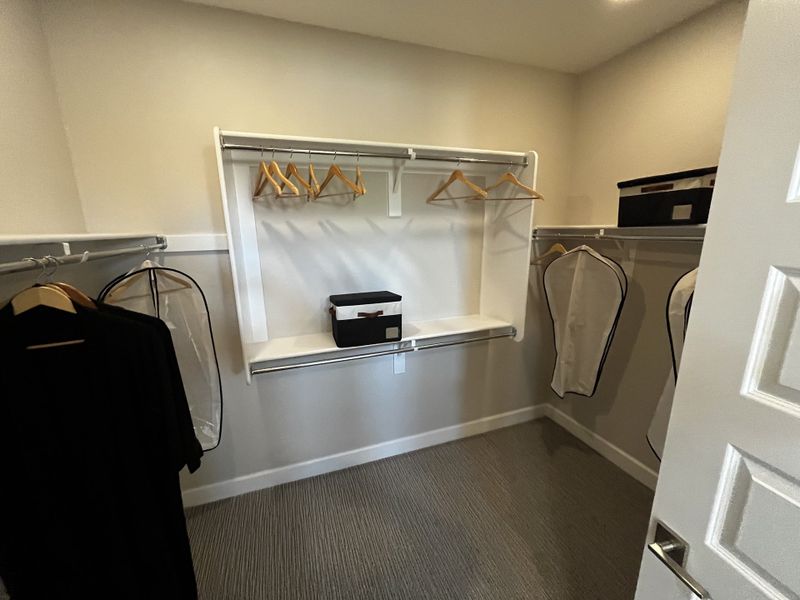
x: 523, y: 512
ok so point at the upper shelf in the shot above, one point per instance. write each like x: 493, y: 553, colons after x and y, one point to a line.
x: 299, y: 146
x: 58, y: 238
x: 679, y: 233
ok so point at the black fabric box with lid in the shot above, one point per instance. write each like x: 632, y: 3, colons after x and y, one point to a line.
x: 682, y: 198
x: 366, y: 318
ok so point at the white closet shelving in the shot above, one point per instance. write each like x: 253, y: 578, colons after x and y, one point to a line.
x: 461, y: 266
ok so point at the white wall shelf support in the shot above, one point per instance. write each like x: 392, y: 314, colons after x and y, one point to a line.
x: 395, y: 205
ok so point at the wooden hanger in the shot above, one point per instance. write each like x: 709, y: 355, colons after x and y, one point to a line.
x: 145, y: 269
x: 312, y: 181
x: 267, y: 173
x: 509, y: 177
x: 275, y: 170
x: 457, y: 175
x: 292, y: 171
x: 264, y: 177
x: 335, y: 172
x: 557, y: 248
x: 360, y: 180
x: 74, y: 294
x: 42, y: 295
x: 45, y: 295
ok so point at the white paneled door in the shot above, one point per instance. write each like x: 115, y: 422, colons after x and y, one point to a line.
x: 729, y: 489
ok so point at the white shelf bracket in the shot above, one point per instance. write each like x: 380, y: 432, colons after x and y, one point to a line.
x: 395, y: 207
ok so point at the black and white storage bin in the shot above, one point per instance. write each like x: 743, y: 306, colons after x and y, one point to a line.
x: 366, y: 318
x: 682, y: 198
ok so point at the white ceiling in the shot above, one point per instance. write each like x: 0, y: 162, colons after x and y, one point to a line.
x: 565, y: 35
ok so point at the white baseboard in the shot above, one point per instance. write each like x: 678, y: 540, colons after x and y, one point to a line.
x: 343, y: 460
x: 602, y: 446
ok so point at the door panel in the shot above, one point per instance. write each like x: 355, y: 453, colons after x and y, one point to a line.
x: 756, y: 502
x: 730, y: 480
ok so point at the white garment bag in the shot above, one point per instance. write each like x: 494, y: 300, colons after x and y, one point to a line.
x: 585, y: 292
x: 175, y: 298
x: 679, y: 306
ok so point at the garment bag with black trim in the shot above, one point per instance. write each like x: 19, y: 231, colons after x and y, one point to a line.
x: 585, y: 292
x: 679, y: 305
x: 177, y: 299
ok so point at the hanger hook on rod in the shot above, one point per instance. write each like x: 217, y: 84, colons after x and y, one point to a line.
x: 43, y: 264
x: 48, y: 261
x: 36, y: 261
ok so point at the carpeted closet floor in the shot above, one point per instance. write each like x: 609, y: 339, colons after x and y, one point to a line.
x: 523, y: 512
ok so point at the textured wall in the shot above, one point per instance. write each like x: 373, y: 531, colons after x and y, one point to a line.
x: 164, y: 73
x: 36, y: 178
x: 658, y: 108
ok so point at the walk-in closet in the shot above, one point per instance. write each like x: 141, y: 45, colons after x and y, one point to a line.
x: 370, y: 300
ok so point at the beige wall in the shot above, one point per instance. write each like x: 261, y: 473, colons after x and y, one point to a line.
x: 657, y: 108
x: 38, y: 187
x: 143, y: 83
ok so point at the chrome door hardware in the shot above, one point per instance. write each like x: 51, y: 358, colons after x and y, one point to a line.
x: 672, y: 550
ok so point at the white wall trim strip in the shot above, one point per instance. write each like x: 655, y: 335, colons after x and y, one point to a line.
x: 197, y: 242
x: 632, y: 466
x: 351, y: 458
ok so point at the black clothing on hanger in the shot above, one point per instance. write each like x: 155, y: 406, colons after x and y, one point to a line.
x: 93, y: 437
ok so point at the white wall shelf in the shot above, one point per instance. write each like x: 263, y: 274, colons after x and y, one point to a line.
x: 312, y: 349
x: 58, y: 238
x: 679, y: 233
x: 74, y: 249
x: 461, y: 266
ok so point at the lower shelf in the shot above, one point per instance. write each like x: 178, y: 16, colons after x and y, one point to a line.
x: 281, y: 354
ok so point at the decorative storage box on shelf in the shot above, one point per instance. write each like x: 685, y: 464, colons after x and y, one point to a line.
x: 462, y: 265
x: 366, y: 318
x: 682, y: 198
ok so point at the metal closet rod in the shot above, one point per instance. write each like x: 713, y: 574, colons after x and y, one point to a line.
x: 611, y: 236
x: 358, y: 154
x: 328, y: 361
x: 30, y: 264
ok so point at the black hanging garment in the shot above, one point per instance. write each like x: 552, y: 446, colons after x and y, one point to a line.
x: 94, y: 435
x: 175, y: 298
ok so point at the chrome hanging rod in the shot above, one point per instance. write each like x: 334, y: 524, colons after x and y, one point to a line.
x: 403, y: 350
x: 612, y: 236
x: 358, y: 154
x: 30, y: 264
